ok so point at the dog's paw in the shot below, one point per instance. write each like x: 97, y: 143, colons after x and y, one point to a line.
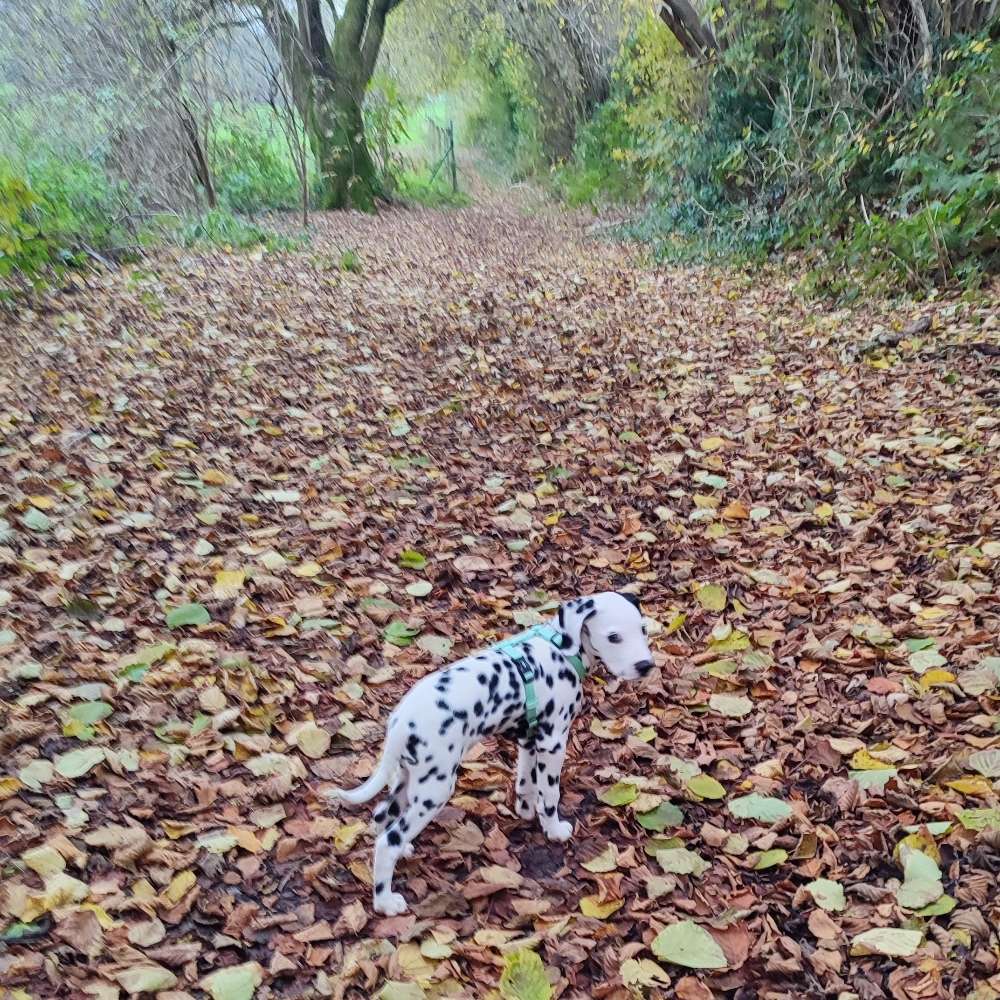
x: 560, y: 831
x: 391, y: 904
x: 524, y: 808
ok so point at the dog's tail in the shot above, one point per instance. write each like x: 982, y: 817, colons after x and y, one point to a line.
x: 391, y: 752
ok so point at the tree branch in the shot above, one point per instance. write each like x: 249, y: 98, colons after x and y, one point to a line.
x: 373, y: 34
x: 696, y: 37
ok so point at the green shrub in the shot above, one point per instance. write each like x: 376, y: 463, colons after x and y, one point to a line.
x: 22, y: 246
x: 253, y: 166
x: 222, y: 228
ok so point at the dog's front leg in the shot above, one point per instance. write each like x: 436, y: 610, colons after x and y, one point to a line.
x: 548, y: 767
x: 525, y: 792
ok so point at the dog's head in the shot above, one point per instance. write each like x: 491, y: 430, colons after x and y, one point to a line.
x: 608, y: 627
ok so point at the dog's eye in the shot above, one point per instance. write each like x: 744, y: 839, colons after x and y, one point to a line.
x: 614, y: 637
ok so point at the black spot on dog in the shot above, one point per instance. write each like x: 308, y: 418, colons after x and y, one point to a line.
x: 393, y: 809
x: 426, y: 777
x: 550, y: 810
x: 394, y: 838
x: 460, y: 713
x: 379, y: 888
x: 553, y: 780
x: 478, y: 708
x: 428, y: 805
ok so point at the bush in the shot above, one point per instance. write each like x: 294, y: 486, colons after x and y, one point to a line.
x: 787, y: 143
x: 222, y: 228
x: 254, y: 169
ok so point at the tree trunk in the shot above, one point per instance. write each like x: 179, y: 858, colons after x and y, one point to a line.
x: 328, y: 78
x: 337, y: 135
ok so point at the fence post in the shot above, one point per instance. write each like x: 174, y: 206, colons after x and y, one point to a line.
x: 454, y: 164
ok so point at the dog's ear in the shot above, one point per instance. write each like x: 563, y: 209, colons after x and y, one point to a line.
x: 573, y: 615
x: 633, y: 599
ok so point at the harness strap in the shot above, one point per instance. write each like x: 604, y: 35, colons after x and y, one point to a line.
x: 551, y: 635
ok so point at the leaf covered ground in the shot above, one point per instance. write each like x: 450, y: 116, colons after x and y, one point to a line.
x: 248, y: 499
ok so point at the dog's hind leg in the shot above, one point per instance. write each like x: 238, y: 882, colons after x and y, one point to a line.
x: 524, y: 788
x: 392, y: 807
x: 426, y: 799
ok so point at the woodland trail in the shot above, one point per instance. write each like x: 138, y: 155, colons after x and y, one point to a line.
x: 248, y: 498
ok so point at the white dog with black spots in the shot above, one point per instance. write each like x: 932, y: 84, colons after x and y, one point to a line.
x: 529, y: 691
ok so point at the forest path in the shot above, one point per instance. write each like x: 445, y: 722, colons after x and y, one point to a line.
x: 344, y: 478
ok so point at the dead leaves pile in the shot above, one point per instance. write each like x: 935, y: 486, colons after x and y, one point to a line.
x: 248, y: 500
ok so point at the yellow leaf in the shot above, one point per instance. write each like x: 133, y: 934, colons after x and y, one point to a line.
x: 104, y: 918
x: 864, y: 761
x: 931, y: 614
x: 44, y: 860
x: 935, y: 678
x: 214, y: 478
x: 143, y: 891
x: 345, y: 837
x: 823, y: 511
x: 228, y: 582
x: 552, y: 519
x: 677, y: 622
x: 592, y: 906
x: 736, y: 511
x: 606, y: 861
x: 712, y: 443
x: 175, y: 829
x: 308, y: 570
x: 42, y: 502
x: 180, y: 885
x: 9, y: 787
x: 245, y: 839
x: 971, y: 786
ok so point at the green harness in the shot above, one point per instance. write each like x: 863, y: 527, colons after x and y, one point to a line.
x: 508, y: 646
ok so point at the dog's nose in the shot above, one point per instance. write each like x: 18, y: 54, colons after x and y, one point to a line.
x: 644, y: 667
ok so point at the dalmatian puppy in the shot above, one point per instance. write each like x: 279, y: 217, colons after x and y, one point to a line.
x: 447, y: 712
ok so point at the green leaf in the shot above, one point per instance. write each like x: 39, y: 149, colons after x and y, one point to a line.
x: 524, y: 978
x: 664, y: 815
x: 734, y: 706
x: 395, y: 990
x: 769, y: 859
x: 412, y: 559
x: 711, y: 597
x: 90, y: 712
x: 279, y: 496
x: 76, y: 763
x: 436, y: 645
x: 828, y: 895
x: 926, y: 659
x: 921, y: 880
x: 938, y: 908
x: 399, y: 633
x: 709, y: 479
x: 687, y: 944
x: 35, y: 520
x: 238, y: 982
x: 147, y: 977
x: 892, y: 942
x: 980, y: 819
x: 764, y: 808
x: 188, y: 614
x: 681, y: 861
x: 705, y: 787
x: 873, y: 780
x: 986, y: 762
x: 619, y: 795
x: 419, y: 588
